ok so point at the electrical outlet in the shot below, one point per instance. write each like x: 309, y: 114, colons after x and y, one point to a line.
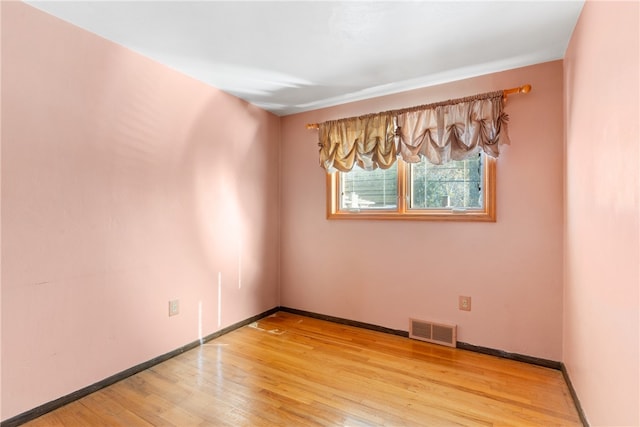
x: 174, y: 307
x: 464, y: 303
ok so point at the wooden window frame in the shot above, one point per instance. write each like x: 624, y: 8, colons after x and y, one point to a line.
x: 486, y: 214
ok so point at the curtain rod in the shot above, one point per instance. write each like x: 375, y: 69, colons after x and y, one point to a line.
x: 521, y: 89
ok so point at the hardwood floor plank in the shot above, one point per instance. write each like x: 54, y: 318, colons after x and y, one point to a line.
x: 292, y: 370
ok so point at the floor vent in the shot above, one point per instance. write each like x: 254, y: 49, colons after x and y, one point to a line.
x: 437, y: 333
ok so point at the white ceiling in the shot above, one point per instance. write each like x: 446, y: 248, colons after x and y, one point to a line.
x: 293, y: 56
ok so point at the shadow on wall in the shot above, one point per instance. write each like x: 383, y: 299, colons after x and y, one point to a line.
x: 230, y: 169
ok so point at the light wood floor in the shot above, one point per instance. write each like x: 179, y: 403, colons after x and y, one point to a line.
x: 289, y: 370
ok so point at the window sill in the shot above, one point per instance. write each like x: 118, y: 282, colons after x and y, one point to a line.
x: 432, y: 215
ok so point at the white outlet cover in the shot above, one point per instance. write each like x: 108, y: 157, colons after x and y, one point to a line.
x: 174, y: 307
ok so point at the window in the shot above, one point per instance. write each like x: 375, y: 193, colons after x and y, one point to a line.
x: 458, y: 190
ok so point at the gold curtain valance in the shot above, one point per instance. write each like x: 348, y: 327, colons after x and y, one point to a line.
x: 440, y: 132
x: 366, y: 141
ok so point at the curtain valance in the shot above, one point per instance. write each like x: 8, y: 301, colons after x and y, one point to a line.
x: 440, y: 132
x: 367, y: 141
x: 453, y: 131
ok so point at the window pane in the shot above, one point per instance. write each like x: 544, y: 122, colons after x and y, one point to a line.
x: 369, y: 190
x: 455, y: 185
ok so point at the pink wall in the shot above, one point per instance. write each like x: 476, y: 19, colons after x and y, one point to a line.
x: 601, y: 320
x: 124, y: 185
x: 384, y: 272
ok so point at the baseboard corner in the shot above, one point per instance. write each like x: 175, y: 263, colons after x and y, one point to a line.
x: 574, y: 395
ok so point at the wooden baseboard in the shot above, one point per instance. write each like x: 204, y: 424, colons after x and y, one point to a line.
x: 64, y: 400
x: 511, y: 356
x: 574, y: 395
x: 346, y: 321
